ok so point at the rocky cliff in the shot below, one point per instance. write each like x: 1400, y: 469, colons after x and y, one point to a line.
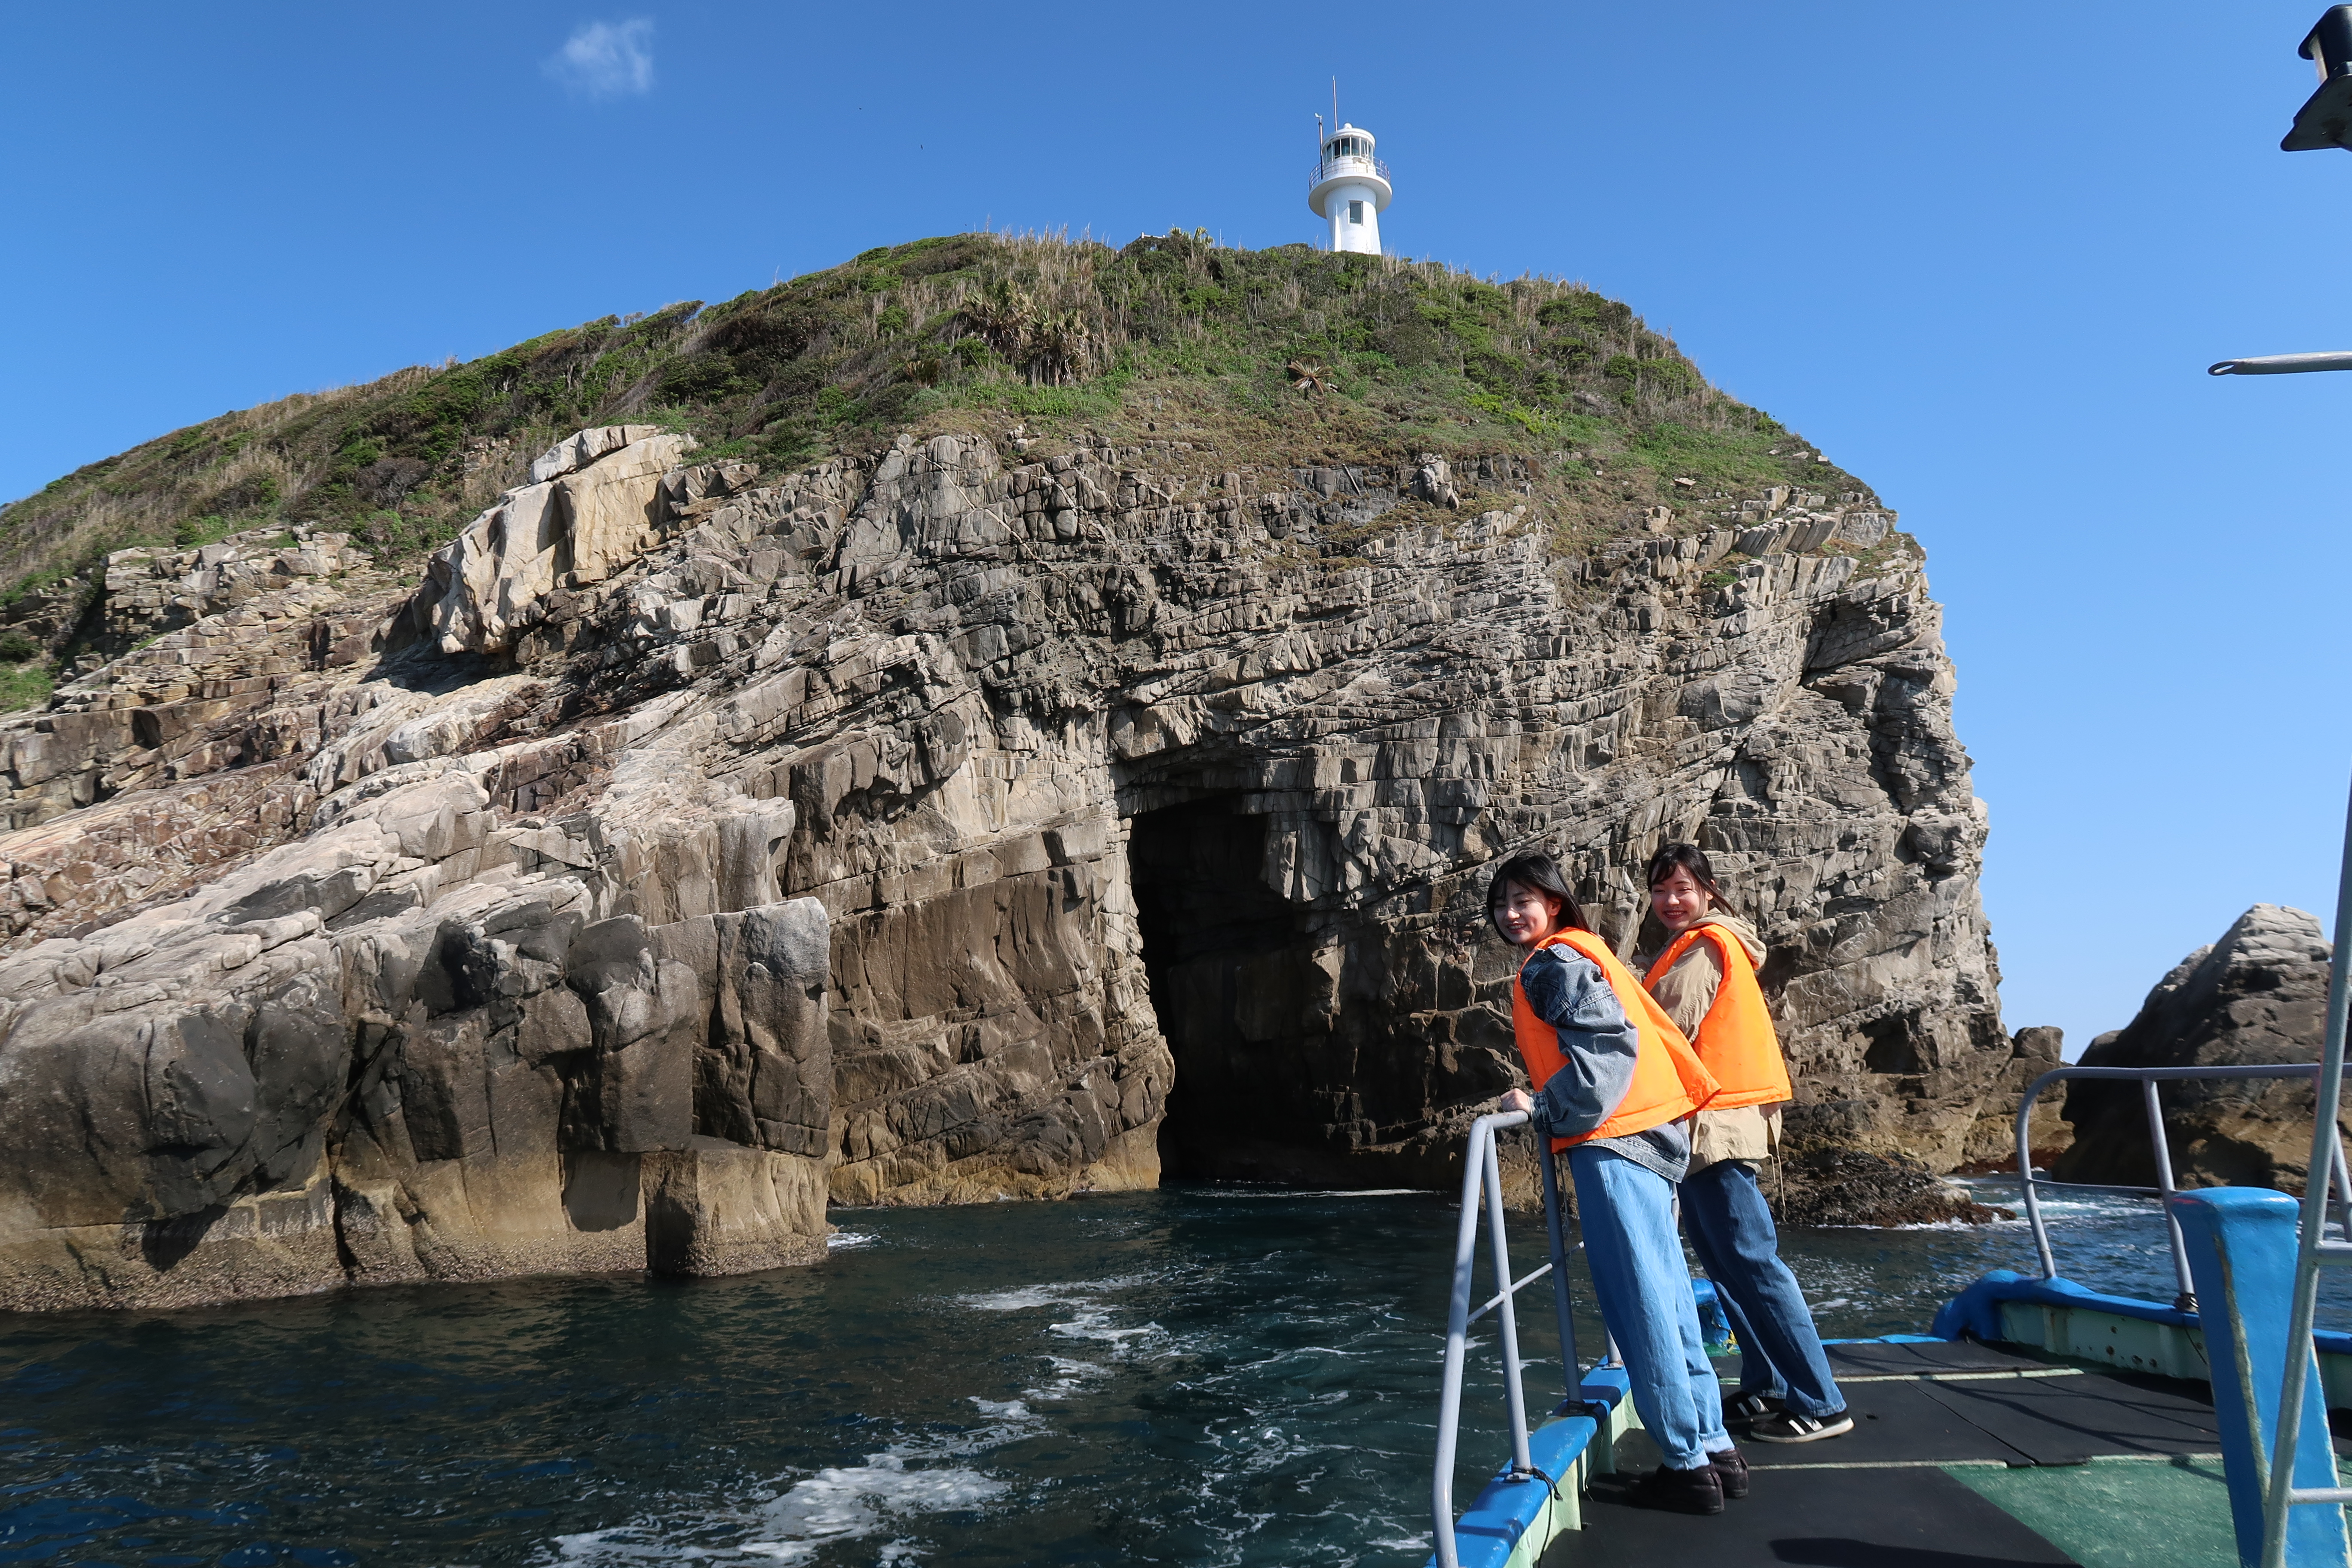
x: 2258, y: 996
x: 1136, y: 766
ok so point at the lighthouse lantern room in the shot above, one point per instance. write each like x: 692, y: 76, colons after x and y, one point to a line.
x: 1350, y: 189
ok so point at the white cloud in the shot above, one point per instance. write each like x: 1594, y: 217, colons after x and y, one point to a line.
x: 607, y: 59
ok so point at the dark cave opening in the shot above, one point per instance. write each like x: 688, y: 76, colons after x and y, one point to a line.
x: 1242, y: 1001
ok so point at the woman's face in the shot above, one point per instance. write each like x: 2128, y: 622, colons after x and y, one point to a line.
x: 1679, y: 900
x: 1524, y: 915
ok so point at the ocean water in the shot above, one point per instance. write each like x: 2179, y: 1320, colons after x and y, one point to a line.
x: 1202, y: 1375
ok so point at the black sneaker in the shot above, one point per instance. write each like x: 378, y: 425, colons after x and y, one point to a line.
x: 1788, y: 1427
x: 1730, y: 1469
x: 1738, y: 1409
x: 1697, y: 1490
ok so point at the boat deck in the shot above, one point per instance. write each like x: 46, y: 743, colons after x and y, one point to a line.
x: 1963, y: 1456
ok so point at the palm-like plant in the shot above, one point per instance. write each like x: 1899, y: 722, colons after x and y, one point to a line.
x: 1004, y: 315
x: 1058, y: 347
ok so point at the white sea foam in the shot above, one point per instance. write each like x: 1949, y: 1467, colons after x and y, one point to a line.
x: 857, y: 1500
x: 1324, y: 1192
x: 1074, y: 1377
x: 846, y: 1503
x: 841, y: 1239
x: 1413, y: 1543
x: 1089, y: 1318
x: 1008, y: 1409
x: 1072, y: 1293
x: 1098, y: 1326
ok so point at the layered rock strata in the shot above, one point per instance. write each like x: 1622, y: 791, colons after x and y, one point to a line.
x: 2257, y: 998
x: 428, y: 1040
x: 1149, y: 796
x: 151, y: 592
x: 1992, y: 1143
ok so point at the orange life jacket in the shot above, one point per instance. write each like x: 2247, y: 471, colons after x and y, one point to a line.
x: 1735, y: 1040
x: 1669, y: 1080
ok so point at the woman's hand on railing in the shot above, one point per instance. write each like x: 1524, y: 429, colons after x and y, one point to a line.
x: 1518, y: 1099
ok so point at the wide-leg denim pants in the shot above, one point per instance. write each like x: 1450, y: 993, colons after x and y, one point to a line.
x: 1731, y: 1231
x: 1626, y: 1211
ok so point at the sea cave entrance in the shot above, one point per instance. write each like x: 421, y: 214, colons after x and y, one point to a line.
x: 1246, y: 992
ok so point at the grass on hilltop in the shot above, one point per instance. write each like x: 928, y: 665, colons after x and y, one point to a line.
x: 1170, y: 333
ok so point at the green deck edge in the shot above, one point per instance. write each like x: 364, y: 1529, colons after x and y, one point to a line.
x: 2118, y: 1513
x: 2136, y: 1344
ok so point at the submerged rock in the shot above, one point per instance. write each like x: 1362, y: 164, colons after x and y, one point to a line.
x: 1832, y: 1186
x: 952, y: 821
x: 2257, y: 997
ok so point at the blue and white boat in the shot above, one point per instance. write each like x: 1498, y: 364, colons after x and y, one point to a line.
x: 2037, y: 1421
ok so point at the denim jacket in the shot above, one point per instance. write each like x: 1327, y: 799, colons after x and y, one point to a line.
x: 1598, y: 1043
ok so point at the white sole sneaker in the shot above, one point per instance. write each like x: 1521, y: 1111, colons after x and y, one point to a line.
x: 1788, y: 1427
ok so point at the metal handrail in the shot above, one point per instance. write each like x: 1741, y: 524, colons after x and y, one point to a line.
x: 2311, y: 1250
x: 1482, y: 1185
x: 1328, y: 168
x: 2147, y: 1078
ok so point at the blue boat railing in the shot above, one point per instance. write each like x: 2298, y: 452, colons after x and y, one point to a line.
x: 1482, y: 1189
x: 2032, y: 1186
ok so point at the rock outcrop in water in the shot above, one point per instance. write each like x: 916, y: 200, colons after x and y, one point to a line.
x: 1833, y: 1186
x: 2258, y: 996
x: 1139, y: 786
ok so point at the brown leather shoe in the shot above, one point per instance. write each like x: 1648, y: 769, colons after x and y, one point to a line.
x: 1695, y: 1490
x: 1731, y: 1468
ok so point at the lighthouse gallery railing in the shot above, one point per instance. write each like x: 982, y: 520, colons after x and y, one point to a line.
x: 1349, y: 163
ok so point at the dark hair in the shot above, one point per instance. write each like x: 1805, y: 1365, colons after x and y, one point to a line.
x: 1688, y: 858
x: 1539, y: 874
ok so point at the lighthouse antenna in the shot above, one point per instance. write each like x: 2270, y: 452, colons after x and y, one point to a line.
x: 1335, y: 103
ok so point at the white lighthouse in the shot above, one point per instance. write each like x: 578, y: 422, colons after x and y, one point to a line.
x: 1350, y: 188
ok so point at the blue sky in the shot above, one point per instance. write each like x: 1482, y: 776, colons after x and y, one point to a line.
x: 1980, y: 256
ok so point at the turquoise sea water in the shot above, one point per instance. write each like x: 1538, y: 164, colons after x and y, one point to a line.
x: 1199, y: 1375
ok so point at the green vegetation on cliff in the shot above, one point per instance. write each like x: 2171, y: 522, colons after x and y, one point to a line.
x: 1293, y: 353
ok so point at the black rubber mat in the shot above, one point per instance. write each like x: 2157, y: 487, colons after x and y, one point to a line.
x: 1813, y: 1519
x: 1897, y: 1423
x: 2067, y: 1420
x: 1869, y: 1358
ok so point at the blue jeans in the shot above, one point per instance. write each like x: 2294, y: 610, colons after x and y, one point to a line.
x: 1627, y: 1214
x: 1779, y: 1349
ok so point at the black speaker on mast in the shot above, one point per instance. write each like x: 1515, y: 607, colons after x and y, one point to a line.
x: 2327, y: 120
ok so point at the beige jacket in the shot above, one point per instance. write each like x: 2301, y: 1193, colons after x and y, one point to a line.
x: 1686, y: 991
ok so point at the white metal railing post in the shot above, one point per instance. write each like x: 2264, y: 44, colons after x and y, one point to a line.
x: 2343, y: 1190
x: 2030, y: 1185
x: 1515, y: 1396
x: 1457, y: 1328
x: 2281, y: 1492
x: 2162, y: 1148
x: 2025, y: 1172
x: 1571, y: 1371
x: 1482, y: 1187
